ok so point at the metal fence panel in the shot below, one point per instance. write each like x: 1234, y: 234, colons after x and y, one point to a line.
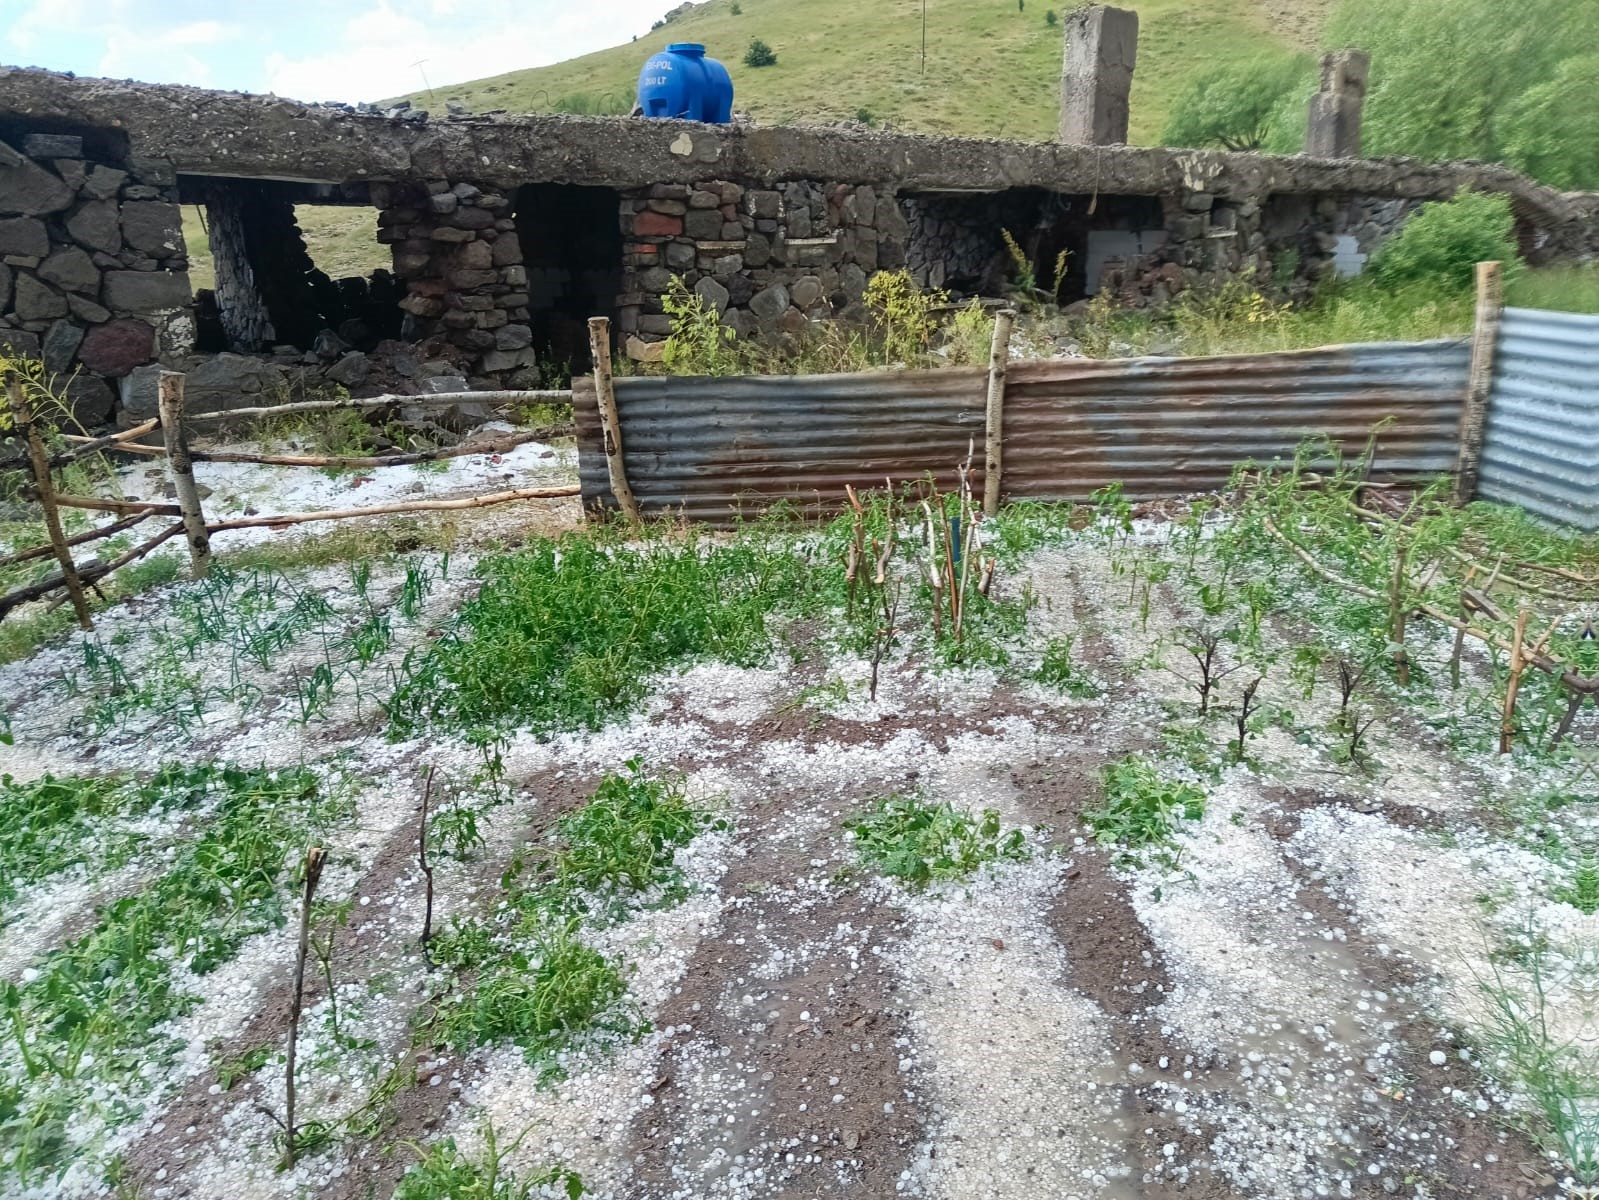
x: 715, y: 448
x: 1541, y: 442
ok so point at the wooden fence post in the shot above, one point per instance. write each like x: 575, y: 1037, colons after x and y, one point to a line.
x: 180, y: 470
x: 994, y: 441
x: 1484, y: 341
x: 40, y: 461
x: 605, y: 393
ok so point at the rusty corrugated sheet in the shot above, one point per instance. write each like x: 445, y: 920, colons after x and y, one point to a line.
x: 717, y: 448
x: 1166, y: 426
x: 1541, y: 443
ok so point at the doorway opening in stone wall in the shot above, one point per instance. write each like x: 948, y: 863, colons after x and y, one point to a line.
x: 280, y: 266
x: 571, y: 241
x: 957, y: 240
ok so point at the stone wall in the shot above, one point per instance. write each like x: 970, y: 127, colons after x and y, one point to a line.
x: 771, y: 260
x: 457, y: 254
x: 93, y: 270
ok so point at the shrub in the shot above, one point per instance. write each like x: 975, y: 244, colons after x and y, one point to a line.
x: 1445, y: 240
x: 903, y: 315
x: 1051, y: 18
x: 737, y: 10
x: 760, y: 55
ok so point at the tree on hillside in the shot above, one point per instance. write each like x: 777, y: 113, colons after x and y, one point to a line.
x: 1244, y: 105
x: 1550, y: 130
x: 1471, y: 79
x: 760, y: 55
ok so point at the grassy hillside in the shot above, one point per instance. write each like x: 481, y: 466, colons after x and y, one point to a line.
x: 992, y: 65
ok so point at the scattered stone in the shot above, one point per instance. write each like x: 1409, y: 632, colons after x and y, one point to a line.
x: 351, y: 370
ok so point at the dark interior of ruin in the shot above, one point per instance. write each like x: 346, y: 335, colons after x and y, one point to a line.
x: 572, y: 248
x: 958, y: 242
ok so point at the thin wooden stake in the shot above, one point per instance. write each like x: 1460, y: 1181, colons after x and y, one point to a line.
x: 1484, y: 342
x: 422, y: 857
x: 40, y: 460
x: 610, y: 423
x: 1507, y: 720
x: 314, y: 858
x: 180, y: 470
x: 994, y: 439
x: 1397, y: 614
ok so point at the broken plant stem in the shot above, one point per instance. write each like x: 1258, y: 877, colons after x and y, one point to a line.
x: 427, y: 868
x: 1246, y: 709
x: 314, y: 858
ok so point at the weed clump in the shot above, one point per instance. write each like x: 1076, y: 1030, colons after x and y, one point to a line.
x: 919, y: 842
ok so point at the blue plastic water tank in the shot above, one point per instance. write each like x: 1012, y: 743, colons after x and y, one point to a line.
x: 681, y: 82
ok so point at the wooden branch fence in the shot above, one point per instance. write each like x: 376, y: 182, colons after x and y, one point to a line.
x: 75, y: 580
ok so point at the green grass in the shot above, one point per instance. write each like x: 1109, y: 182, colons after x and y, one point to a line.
x: 82, y: 1028
x: 566, y: 633
x: 341, y: 240
x: 992, y: 71
x: 920, y: 842
x: 1560, y: 289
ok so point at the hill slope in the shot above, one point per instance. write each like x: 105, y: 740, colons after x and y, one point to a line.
x: 992, y: 65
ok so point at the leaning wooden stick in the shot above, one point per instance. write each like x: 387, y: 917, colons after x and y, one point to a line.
x: 610, y: 422
x: 379, y: 510
x: 47, y: 501
x: 314, y: 859
x: 180, y: 471
x: 1507, y: 719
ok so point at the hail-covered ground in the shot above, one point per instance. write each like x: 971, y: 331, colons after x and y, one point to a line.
x: 1294, y: 994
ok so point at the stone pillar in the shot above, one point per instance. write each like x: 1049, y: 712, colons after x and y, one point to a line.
x: 1334, y: 130
x: 456, y: 248
x: 1101, y: 50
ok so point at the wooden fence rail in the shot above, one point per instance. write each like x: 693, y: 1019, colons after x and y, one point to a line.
x: 173, y: 422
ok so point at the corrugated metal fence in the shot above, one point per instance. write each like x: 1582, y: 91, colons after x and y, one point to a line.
x: 1541, y: 443
x: 713, y: 449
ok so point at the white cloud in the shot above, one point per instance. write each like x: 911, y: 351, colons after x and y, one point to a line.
x: 170, y: 54
x: 392, y: 45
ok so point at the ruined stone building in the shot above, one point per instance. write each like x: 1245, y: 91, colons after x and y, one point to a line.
x: 508, y: 232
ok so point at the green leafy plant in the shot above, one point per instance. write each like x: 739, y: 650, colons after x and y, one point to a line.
x: 903, y: 315
x: 1142, y: 807
x: 699, y: 343
x: 444, y: 1172
x: 1022, y: 273
x: 922, y: 842
x: 1057, y: 669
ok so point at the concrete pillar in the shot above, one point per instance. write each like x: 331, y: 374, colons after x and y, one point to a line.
x: 1097, y: 80
x: 1334, y: 130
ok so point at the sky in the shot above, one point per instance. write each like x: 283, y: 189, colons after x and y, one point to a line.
x: 313, y: 49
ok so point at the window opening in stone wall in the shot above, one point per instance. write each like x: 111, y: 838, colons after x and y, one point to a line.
x: 288, y: 266
x: 957, y: 240
x: 571, y: 243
